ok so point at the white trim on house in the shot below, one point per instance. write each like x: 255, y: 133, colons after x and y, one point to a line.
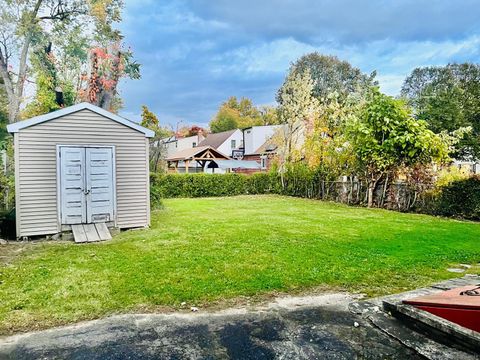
x: 16, y: 127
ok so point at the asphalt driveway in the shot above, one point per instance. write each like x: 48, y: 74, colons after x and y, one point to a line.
x: 319, y: 327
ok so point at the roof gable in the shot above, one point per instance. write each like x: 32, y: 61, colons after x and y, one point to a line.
x: 16, y: 127
x: 268, y: 146
x: 199, y: 151
x: 217, y: 139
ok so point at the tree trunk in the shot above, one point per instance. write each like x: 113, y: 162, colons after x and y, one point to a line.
x: 384, y: 191
x: 11, y: 90
x: 371, y: 188
x: 350, y: 193
x: 15, y: 90
x: 13, y: 108
x: 158, y: 156
x: 372, y: 185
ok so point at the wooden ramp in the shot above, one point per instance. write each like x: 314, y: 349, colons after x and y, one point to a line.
x: 90, y: 232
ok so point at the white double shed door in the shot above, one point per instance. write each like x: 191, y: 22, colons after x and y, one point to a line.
x: 86, y: 188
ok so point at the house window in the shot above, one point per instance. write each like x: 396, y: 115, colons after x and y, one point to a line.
x: 233, y: 144
x: 263, y: 161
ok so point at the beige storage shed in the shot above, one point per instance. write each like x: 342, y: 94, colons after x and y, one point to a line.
x: 80, y: 165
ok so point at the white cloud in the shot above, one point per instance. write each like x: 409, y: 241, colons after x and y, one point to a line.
x: 393, y: 61
x: 197, y: 53
x: 390, y: 84
x: 262, y: 58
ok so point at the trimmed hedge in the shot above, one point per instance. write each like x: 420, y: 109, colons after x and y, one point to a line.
x: 460, y: 198
x: 208, y: 185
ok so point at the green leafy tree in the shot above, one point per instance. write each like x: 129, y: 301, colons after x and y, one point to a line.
x: 149, y: 119
x: 269, y: 115
x: 448, y: 98
x: 338, y: 89
x: 249, y: 114
x: 157, y: 152
x: 225, y: 119
x: 234, y: 114
x: 297, y: 111
x: 22, y: 23
x: 385, y: 137
x: 48, y: 83
x: 327, y: 147
x: 71, y: 26
x: 7, y: 178
x: 329, y: 74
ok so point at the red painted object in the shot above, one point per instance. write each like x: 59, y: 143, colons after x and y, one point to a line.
x: 460, y: 305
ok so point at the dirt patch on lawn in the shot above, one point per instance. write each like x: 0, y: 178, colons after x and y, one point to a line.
x: 10, y: 251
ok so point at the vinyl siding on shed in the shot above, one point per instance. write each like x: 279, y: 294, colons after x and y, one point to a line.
x: 36, y: 169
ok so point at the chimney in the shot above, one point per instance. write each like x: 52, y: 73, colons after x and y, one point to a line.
x: 59, y: 96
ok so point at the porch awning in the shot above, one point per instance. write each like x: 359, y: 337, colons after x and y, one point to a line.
x: 237, y: 164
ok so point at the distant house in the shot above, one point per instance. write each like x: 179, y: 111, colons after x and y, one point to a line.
x: 177, y: 143
x: 470, y: 167
x: 249, y: 150
x: 192, y: 160
x: 256, y: 136
x: 259, y: 145
x: 227, y: 142
x: 206, y: 159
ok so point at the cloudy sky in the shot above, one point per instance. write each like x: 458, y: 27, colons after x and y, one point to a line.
x: 197, y: 53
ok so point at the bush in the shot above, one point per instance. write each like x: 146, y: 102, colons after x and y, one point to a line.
x: 460, y: 198
x: 155, y: 198
x: 7, y: 224
x: 261, y: 183
x: 208, y: 185
x: 451, y: 174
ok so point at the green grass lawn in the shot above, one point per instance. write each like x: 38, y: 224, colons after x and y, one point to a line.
x: 207, y: 250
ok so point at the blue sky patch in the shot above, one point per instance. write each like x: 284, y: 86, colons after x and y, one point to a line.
x: 197, y: 53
